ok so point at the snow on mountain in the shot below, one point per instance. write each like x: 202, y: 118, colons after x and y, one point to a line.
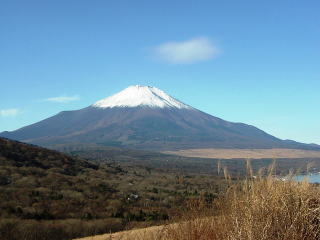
x: 145, y: 96
x: 144, y: 117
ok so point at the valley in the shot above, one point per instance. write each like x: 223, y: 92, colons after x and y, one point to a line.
x: 93, y: 191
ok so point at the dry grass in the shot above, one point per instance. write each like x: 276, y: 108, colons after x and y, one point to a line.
x: 150, y: 233
x: 246, y: 153
x: 263, y: 208
x: 259, y: 208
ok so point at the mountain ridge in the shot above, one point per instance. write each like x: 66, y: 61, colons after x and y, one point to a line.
x: 135, y: 118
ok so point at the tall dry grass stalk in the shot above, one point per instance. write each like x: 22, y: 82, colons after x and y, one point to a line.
x: 219, y: 166
x: 260, y: 208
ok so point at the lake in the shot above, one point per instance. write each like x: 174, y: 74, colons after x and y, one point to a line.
x: 312, y: 178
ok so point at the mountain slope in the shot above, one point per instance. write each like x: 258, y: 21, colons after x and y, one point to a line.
x: 17, y: 154
x: 146, y: 118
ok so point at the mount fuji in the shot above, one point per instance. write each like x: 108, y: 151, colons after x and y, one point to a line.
x: 145, y: 117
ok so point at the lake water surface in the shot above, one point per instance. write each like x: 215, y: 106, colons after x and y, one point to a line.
x: 312, y: 178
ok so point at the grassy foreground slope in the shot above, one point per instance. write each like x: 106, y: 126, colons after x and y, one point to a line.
x: 256, y: 209
x: 264, y: 208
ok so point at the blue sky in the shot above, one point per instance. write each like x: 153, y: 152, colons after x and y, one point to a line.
x: 256, y: 62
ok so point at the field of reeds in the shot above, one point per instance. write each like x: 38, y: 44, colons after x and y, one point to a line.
x: 262, y: 207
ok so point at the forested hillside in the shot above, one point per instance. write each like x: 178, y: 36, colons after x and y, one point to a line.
x: 49, y: 194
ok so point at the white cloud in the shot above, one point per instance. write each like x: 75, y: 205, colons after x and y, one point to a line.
x: 9, y: 112
x: 186, y: 52
x: 63, y: 99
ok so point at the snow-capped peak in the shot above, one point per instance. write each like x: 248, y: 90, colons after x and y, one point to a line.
x: 144, y: 96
